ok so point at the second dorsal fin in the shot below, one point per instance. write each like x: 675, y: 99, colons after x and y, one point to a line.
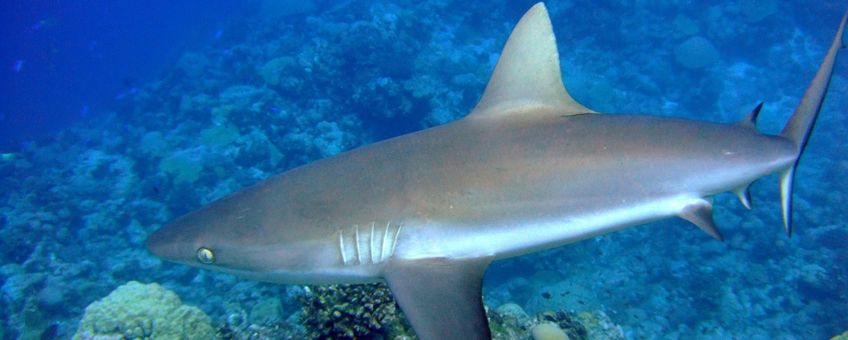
x: 750, y: 120
x: 527, y: 76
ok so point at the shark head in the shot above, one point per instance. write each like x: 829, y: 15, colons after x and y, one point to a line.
x: 197, y: 239
x: 223, y: 237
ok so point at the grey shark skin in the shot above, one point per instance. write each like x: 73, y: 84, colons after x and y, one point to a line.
x: 529, y: 169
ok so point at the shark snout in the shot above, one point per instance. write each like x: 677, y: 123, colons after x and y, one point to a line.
x: 162, y: 244
x: 154, y: 243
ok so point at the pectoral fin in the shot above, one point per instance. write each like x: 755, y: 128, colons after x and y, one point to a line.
x: 441, y: 297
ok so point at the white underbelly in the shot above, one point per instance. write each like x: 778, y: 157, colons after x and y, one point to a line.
x: 511, y: 237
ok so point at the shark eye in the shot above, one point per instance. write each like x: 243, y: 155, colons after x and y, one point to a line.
x: 205, y: 255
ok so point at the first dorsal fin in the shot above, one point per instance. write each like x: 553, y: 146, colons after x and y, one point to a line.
x: 527, y: 76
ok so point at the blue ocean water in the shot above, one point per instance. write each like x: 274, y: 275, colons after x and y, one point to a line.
x: 174, y: 106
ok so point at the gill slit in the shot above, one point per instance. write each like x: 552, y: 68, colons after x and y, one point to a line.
x: 379, y: 247
x: 385, y: 241
x: 342, y: 247
x: 397, y: 233
x: 371, y: 248
x: 356, y: 242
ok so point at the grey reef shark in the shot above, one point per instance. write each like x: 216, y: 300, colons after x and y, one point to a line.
x: 528, y: 169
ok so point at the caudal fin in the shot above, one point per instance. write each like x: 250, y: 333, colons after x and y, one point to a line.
x: 801, y: 122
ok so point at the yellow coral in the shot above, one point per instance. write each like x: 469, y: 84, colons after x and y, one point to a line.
x: 139, y: 311
x: 548, y: 331
x: 182, y: 166
x: 843, y: 336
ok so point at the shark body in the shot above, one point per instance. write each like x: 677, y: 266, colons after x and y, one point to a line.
x: 529, y: 169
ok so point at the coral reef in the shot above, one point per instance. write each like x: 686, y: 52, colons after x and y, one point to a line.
x: 558, y: 325
x: 548, y: 331
x: 352, y: 311
x: 510, y: 321
x: 696, y: 52
x: 369, y: 311
x: 599, y: 326
x: 143, y: 311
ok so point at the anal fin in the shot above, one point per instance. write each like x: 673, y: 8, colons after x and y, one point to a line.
x: 744, y: 195
x: 441, y: 297
x: 700, y: 213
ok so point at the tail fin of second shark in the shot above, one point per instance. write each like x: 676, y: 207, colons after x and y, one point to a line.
x: 801, y: 122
